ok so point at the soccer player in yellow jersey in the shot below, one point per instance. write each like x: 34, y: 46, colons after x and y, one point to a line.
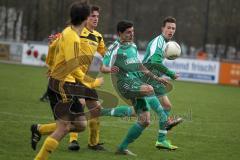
x: 67, y: 71
x: 90, y: 36
x: 91, y: 42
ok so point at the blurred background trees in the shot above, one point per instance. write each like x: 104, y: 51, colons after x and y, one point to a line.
x: 198, y: 22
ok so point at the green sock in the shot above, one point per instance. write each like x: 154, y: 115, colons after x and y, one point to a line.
x: 157, y: 107
x: 162, y: 134
x: 133, y: 133
x: 106, y: 111
x: 119, y: 111
x: 122, y: 111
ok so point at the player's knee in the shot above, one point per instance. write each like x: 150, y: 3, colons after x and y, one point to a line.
x: 165, y: 102
x: 167, y: 105
x: 80, y: 126
x: 147, y: 89
x: 65, y: 130
x: 95, y: 112
x: 63, y: 126
x: 145, y: 123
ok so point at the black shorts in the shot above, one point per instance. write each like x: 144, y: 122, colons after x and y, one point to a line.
x: 72, y: 89
x: 64, y: 96
x: 70, y: 108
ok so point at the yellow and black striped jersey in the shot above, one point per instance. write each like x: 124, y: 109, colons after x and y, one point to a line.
x: 92, y: 42
x: 71, y: 59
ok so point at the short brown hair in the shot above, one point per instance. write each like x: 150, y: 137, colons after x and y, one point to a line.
x: 169, y: 20
x: 95, y: 8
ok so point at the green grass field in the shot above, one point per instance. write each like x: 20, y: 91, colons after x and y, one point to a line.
x: 210, y: 132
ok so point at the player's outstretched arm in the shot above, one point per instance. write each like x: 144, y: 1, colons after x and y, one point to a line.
x: 151, y: 75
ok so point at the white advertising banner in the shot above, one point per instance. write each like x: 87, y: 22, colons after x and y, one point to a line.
x: 34, y: 54
x: 195, y: 70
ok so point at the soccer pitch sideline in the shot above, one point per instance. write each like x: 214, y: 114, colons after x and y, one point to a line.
x: 210, y: 131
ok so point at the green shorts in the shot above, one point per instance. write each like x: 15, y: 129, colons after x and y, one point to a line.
x: 130, y: 88
x: 141, y: 105
x: 159, y: 88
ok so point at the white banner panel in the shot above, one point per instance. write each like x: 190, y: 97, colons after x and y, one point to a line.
x: 195, y: 70
x: 34, y: 54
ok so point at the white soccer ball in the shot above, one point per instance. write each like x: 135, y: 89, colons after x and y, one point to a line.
x: 172, y: 50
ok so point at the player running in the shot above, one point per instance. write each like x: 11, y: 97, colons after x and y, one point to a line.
x: 153, y: 60
x: 130, y: 85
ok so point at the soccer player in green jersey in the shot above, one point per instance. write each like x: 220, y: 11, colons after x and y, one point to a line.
x: 153, y: 60
x: 107, y: 67
x: 130, y: 85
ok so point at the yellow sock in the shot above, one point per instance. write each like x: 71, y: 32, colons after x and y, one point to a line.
x: 46, y: 129
x: 49, y: 145
x: 93, y: 131
x: 73, y: 136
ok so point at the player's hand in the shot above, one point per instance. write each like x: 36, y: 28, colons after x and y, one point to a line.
x: 48, y: 73
x: 163, y: 80
x: 99, y: 81
x: 114, y: 69
x: 52, y: 37
x: 176, y: 76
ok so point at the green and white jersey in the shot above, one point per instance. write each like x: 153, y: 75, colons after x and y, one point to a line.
x: 127, y: 61
x: 155, y: 50
x: 111, y: 53
x: 154, y: 57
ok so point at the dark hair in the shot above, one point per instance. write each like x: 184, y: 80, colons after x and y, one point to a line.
x: 95, y: 8
x: 79, y: 12
x: 168, y: 20
x: 123, y: 25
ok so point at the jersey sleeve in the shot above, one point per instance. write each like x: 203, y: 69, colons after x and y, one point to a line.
x: 158, y: 61
x: 106, y: 59
x: 110, y: 56
x: 51, y: 54
x: 85, y: 79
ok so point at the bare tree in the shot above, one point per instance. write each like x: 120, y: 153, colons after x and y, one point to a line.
x: 36, y: 19
x: 27, y: 19
x: 42, y: 17
x: 6, y: 19
x: 16, y: 21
